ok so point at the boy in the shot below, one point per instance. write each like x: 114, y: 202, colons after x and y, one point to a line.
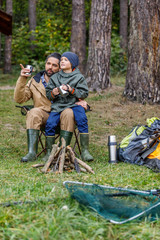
x: 74, y: 82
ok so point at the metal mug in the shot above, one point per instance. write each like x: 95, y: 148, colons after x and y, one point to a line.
x: 30, y: 68
x: 63, y: 93
x: 112, y: 147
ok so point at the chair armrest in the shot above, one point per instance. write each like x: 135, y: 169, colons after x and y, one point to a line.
x: 25, y: 109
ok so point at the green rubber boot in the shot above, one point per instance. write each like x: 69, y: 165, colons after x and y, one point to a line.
x: 67, y: 136
x: 50, y: 140
x: 32, y: 139
x: 84, y: 140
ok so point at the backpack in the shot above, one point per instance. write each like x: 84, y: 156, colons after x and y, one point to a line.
x: 142, y: 145
x: 153, y: 159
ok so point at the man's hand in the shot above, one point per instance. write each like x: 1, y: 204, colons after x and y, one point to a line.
x: 82, y: 103
x: 24, y: 71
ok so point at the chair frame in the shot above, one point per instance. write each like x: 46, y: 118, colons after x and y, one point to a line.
x: 25, y: 109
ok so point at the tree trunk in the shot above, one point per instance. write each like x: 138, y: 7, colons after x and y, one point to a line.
x: 8, y: 43
x: 0, y: 38
x: 78, y: 33
x: 98, y: 65
x: 32, y: 20
x: 124, y: 23
x: 143, y: 73
x: 0, y: 49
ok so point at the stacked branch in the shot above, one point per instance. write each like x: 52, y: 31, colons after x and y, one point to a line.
x: 63, y: 159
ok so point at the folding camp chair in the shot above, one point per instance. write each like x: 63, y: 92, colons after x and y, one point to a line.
x: 42, y: 137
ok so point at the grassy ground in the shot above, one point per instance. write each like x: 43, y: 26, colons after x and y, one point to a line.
x: 111, y: 114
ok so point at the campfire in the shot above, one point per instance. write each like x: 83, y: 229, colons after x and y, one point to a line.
x: 63, y: 159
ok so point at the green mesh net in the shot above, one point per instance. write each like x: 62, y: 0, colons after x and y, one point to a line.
x: 118, y: 205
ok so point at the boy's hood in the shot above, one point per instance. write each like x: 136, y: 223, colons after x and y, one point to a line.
x: 66, y: 75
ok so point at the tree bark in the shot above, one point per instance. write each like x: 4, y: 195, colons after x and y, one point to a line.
x: 0, y: 48
x: 32, y: 19
x: 124, y: 23
x: 98, y: 64
x: 8, y: 43
x: 143, y: 73
x: 78, y: 33
x: 0, y: 38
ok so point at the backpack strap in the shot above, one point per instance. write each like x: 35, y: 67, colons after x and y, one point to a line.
x: 150, y: 150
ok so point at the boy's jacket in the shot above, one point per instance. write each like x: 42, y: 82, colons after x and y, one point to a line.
x: 76, y: 80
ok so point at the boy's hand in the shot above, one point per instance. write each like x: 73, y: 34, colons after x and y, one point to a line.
x: 55, y: 91
x: 66, y: 87
x: 24, y: 71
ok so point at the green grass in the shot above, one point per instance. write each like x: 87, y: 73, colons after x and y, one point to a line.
x: 47, y: 219
x: 9, y: 79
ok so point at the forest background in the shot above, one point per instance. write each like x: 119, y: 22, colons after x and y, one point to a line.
x: 112, y: 114
x: 53, y: 32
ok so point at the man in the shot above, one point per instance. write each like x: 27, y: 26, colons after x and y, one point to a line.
x: 37, y: 116
x: 71, y: 80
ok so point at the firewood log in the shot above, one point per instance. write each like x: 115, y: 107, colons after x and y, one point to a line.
x: 57, y: 162
x: 38, y: 165
x: 72, y: 166
x: 62, y: 156
x: 58, y: 151
x: 83, y: 164
x: 83, y: 170
x: 50, y: 159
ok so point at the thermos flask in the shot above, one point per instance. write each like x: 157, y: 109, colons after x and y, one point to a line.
x: 63, y: 92
x: 112, y: 147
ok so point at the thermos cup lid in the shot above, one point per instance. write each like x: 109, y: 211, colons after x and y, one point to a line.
x: 112, y: 140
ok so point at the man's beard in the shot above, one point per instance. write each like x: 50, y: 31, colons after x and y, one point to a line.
x: 49, y: 74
